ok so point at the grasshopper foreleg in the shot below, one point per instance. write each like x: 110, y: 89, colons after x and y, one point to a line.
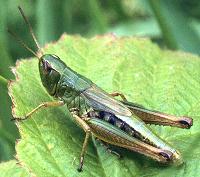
x: 80, y: 121
x: 42, y: 105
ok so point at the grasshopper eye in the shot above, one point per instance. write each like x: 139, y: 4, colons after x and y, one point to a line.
x: 46, y: 67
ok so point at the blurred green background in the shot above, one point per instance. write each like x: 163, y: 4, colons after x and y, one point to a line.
x: 173, y: 24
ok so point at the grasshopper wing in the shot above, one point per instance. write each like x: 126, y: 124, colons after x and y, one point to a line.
x: 100, y: 100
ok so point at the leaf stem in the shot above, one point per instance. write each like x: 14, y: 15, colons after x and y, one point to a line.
x: 176, y: 26
x: 157, y: 8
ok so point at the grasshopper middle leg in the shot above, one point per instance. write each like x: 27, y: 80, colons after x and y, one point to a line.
x: 114, y: 94
x: 80, y: 121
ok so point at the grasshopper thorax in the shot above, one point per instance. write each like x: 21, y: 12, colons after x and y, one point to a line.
x: 50, y: 68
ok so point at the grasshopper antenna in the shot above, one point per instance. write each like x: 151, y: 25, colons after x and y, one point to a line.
x: 30, y: 29
x: 22, y: 43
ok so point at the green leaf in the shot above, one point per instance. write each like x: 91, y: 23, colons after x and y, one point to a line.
x: 8, y: 130
x: 12, y: 169
x: 166, y: 81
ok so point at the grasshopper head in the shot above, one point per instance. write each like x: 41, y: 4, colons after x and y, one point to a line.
x: 50, y: 68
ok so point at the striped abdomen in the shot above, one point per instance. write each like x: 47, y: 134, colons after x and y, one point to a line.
x: 114, y: 120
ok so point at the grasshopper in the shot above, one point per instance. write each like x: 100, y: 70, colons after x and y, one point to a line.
x: 120, y: 123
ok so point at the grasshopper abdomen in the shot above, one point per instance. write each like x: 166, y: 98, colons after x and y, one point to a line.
x: 114, y: 120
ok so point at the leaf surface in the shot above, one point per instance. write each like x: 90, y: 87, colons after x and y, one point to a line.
x: 11, y: 169
x: 162, y: 80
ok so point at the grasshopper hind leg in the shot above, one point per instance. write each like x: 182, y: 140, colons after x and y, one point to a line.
x: 159, y: 118
x: 155, y: 117
x: 107, y: 147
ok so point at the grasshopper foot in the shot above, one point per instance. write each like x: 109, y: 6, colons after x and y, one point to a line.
x: 80, y: 168
x: 19, y: 119
x: 114, y: 152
